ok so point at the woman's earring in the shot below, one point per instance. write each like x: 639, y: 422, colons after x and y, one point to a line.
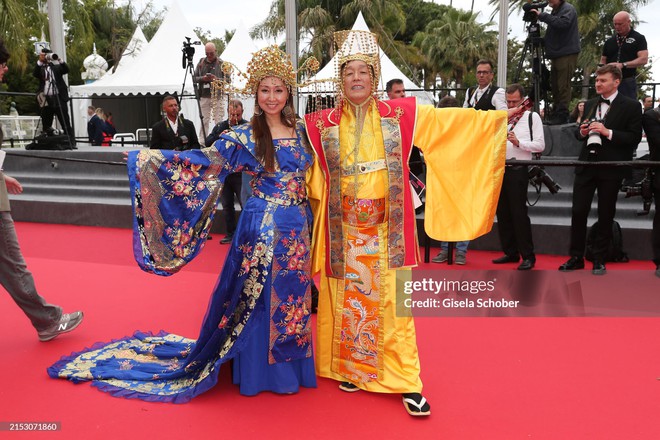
x: 258, y: 111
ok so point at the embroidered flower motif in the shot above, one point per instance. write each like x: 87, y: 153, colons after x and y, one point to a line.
x: 223, y: 322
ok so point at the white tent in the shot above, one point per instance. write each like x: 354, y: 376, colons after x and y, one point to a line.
x: 388, y: 71
x: 239, y: 52
x: 133, y: 49
x: 157, y: 70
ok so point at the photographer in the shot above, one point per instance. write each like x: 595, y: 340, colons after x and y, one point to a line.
x: 651, y: 122
x: 173, y: 132
x: 53, y: 94
x: 627, y: 49
x: 611, y: 131
x: 208, y: 69
x: 525, y: 137
x: 562, y: 46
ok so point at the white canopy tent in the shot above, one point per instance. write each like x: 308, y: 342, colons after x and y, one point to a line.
x: 156, y: 70
x: 239, y: 52
x: 388, y: 71
x: 133, y: 49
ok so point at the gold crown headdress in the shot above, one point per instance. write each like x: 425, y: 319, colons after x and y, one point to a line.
x: 269, y: 61
x: 357, y: 45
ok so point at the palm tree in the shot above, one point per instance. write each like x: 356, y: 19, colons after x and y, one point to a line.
x: 453, y: 44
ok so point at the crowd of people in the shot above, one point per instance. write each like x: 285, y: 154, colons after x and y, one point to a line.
x: 329, y: 198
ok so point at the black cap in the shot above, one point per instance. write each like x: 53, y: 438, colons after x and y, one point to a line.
x: 46, y: 50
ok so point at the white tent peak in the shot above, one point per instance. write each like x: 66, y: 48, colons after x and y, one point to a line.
x: 133, y: 49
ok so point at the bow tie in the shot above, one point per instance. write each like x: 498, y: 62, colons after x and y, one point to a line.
x: 602, y: 100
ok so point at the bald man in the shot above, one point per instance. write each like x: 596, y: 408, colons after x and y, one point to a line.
x: 207, y: 70
x: 627, y: 50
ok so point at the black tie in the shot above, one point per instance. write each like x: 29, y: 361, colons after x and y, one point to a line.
x: 602, y: 100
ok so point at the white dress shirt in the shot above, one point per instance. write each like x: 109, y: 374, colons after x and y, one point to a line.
x: 527, y: 145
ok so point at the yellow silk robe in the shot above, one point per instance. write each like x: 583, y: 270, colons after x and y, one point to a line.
x: 464, y: 151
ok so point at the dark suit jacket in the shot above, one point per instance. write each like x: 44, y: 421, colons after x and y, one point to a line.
x: 163, y: 138
x: 651, y: 121
x: 624, y: 118
x: 59, y: 70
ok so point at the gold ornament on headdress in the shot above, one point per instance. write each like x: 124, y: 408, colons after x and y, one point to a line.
x: 269, y: 61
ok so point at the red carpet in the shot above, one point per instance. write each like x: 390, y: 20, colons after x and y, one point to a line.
x: 486, y: 378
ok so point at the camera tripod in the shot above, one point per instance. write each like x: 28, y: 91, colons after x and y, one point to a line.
x: 187, y: 63
x: 534, y: 49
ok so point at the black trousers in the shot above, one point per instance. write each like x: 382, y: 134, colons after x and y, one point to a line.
x: 231, y: 192
x: 655, y: 235
x: 56, y: 107
x: 514, y: 226
x: 586, y: 184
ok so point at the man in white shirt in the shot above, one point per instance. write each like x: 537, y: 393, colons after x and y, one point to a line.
x: 525, y: 137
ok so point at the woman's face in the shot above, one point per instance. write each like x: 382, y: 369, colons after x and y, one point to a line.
x: 580, y: 106
x: 272, y: 95
x: 357, y: 81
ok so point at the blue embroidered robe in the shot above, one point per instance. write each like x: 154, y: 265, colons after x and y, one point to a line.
x: 259, y: 313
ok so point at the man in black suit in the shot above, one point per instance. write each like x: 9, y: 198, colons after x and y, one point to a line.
x: 611, y: 132
x: 173, y: 132
x: 651, y: 122
x: 53, y: 93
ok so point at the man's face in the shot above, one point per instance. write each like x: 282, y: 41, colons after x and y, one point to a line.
x: 235, y: 114
x: 42, y: 57
x: 606, y: 84
x: 622, y: 24
x: 210, y: 54
x: 514, y: 99
x: 398, y: 91
x: 554, y: 3
x: 484, y: 75
x: 171, y: 108
x: 648, y: 103
x: 356, y: 79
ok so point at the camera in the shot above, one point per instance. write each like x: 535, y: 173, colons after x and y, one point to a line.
x: 643, y: 188
x: 188, y: 52
x: 593, y: 138
x: 50, y: 57
x: 538, y: 176
x: 533, y: 5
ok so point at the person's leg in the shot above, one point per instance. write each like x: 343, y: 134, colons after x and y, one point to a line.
x: 505, y: 226
x: 655, y: 234
x: 18, y: 281
x: 522, y: 227
x: 583, y: 194
x: 628, y: 87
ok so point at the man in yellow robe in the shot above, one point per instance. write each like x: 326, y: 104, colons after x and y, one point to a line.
x: 364, y: 225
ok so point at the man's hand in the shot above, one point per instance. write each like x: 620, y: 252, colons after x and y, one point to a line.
x: 13, y: 185
x: 511, y: 137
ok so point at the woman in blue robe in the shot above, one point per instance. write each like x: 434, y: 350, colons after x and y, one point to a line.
x: 259, y: 312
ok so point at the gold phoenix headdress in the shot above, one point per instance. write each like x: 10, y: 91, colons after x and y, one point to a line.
x: 357, y: 45
x: 269, y: 61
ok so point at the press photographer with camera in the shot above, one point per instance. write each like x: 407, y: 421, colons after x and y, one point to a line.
x: 562, y: 47
x: 651, y: 123
x: 173, y: 132
x: 208, y: 70
x: 611, y: 132
x: 53, y: 93
x: 525, y: 136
